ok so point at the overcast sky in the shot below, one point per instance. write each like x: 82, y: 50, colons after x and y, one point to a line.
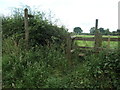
x: 73, y: 13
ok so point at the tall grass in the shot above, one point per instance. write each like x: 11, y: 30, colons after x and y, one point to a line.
x: 47, y: 67
x: 30, y: 68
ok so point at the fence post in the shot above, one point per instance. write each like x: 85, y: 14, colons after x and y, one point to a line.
x: 108, y: 46
x: 68, y: 48
x: 98, y: 38
x: 26, y: 27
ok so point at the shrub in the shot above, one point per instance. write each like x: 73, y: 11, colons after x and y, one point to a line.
x: 41, y: 30
x: 31, y: 68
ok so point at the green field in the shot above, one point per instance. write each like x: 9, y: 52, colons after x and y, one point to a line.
x: 93, y: 36
x: 113, y: 44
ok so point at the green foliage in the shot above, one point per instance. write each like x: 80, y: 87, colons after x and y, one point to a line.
x: 42, y: 31
x: 92, y: 30
x: 31, y: 68
x: 12, y: 25
x: 78, y: 30
x: 44, y: 65
x: 97, y: 71
x: 107, y: 32
x: 102, y: 31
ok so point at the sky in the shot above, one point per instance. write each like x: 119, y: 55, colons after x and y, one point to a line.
x: 72, y: 13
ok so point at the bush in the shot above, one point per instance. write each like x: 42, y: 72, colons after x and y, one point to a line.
x: 31, y: 68
x: 44, y: 64
x: 41, y: 30
x: 44, y: 67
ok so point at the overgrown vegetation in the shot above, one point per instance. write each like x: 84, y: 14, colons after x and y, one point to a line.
x: 45, y: 65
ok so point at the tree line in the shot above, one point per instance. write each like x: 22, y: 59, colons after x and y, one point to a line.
x: 78, y: 30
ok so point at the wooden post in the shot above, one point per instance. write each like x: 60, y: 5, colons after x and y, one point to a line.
x: 108, y: 46
x: 96, y: 24
x: 26, y: 27
x: 68, y: 48
x: 98, y: 38
x: 73, y: 43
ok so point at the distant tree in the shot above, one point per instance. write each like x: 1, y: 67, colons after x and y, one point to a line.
x: 114, y: 32
x: 102, y: 30
x: 118, y: 30
x: 107, y: 32
x: 78, y: 30
x: 92, y: 30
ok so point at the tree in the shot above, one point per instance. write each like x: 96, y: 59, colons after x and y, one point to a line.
x: 107, y: 32
x: 102, y: 30
x: 78, y: 30
x: 92, y: 30
x: 114, y: 32
x: 118, y: 30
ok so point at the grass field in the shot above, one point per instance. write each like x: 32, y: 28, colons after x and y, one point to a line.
x: 93, y: 36
x: 113, y: 44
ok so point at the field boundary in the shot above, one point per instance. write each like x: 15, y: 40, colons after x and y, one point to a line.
x: 93, y: 39
x: 98, y: 39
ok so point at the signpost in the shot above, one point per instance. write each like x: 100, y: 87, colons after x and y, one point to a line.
x: 26, y: 27
x: 26, y: 16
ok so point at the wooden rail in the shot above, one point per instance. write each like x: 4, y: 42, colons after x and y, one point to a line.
x: 97, y: 39
x: 93, y: 39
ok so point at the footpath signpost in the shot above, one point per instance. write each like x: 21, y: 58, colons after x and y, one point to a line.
x: 26, y: 27
x: 26, y: 16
